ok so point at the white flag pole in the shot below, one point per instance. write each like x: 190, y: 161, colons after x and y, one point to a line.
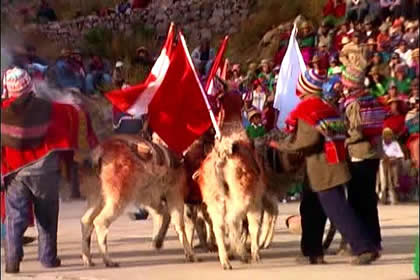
x: 212, y: 117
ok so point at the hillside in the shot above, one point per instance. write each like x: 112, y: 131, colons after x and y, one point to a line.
x: 259, y: 17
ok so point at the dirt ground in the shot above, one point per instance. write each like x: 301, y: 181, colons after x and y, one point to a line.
x: 130, y: 244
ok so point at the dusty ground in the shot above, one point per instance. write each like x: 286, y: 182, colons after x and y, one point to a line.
x: 130, y: 245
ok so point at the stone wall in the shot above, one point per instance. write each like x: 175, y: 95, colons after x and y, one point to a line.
x: 197, y: 18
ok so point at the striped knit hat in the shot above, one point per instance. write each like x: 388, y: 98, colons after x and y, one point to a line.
x: 353, y: 77
x: 310, y: 82
x: 16, y: 82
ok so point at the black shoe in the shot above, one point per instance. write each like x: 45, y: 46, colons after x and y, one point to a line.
x: 12, y: 267
x: 365, y: 258
x: 27, y: 240
x: 55, y: 263
x: 310, y: 260
x: 140, y: 215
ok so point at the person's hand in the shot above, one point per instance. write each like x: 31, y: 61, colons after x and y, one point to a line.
x: 273, y: 144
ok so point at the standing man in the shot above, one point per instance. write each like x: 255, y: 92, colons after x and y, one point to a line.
x: 364, y: 121
x: 33, y: 132
x: 319, y: 134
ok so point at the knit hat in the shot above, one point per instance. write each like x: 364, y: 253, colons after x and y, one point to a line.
x: 353, y: 77
x: 16, y: 82
x: 310, y: 82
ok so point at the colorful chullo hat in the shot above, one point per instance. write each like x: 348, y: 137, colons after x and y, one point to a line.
x: 16, y: 82
x: 310, y: 82
x: 353, y: 77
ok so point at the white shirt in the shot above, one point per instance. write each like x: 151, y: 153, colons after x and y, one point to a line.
x: 393, y: 149
x: 258, y: 99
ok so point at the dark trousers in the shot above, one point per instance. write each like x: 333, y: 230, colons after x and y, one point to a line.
x: 332, y: 203
x: 313, y: 221
x: 42, y: 190
x: 363, y: 198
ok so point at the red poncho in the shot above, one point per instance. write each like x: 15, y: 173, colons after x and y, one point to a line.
x: 62, y: 135
x: 326, y: 119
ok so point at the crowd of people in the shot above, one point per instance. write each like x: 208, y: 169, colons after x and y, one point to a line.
x: 363, y: 60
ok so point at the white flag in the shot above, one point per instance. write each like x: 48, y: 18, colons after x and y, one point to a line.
x: 293, y: 64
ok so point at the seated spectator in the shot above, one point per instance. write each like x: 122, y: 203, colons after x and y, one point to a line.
x: 324, y: 55
x: 69, y: 70
x: 143, y: 58
x: 334, y: 11
x: 118, y: 76
x: 98, y: 74
x: 404, y: 52
x: 124, y: 7
x: 266, y: 76
x: 389, y: 167
x: 203, y: 57
x: 393, y: 63
x: 306, y: 40
x: 356, y: 9
x: 259, y: 95
x: 325, y: 35
x: 46, y: 13
x: 269, y: 114
x: 335, y: 68
x: 139, y: 4
x: 378, y: 84
x: 402, y: 81
x: 370, y: 49
x: 378, y: 62
x: 396, y: 117
x: 256, y: 128
x: 383, y: 40
x: 411, y: 35
x: 414, y: 67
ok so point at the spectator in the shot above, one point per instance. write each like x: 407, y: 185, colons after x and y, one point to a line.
x: 306, y: 40
x: 356, y: 10
x: 266, y: 76
x: 98, y: 74
x: 118, y: 76
x: 335, y: 68
x: 383, y: 40
x: 124, y: 7
x: 378, y: 83
x: 402, y: 81
x: 352, y: 53
x: 396, y: 117
x: 404, y: 52
x: 411, y: 36
x: 256, y: 128
x: 389, y: 167
x: 143, y: 58
x: 259, y: 95
x: 45, y: 12
x: 203, y: 57
x: 269, y: 114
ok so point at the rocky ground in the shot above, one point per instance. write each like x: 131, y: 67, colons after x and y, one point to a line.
x: 130, y: 245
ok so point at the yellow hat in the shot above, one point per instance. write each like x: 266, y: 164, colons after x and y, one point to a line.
x: 387, y: 132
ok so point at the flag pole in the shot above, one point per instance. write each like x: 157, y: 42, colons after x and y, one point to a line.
x: 212, y: 117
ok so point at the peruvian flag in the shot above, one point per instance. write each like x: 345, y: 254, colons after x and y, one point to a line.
x: 135, y: 100
x: 218, y: 68
x: 179, y: 111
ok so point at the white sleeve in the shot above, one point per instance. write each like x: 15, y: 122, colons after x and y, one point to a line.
x: 397, y: 151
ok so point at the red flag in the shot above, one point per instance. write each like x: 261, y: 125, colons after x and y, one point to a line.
x: 179, y: 112
x: 136, y: 99
x: 216, y: 64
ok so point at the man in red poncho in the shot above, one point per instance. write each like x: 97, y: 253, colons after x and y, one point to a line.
x: 319, y: 133
x: 34, y: 132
